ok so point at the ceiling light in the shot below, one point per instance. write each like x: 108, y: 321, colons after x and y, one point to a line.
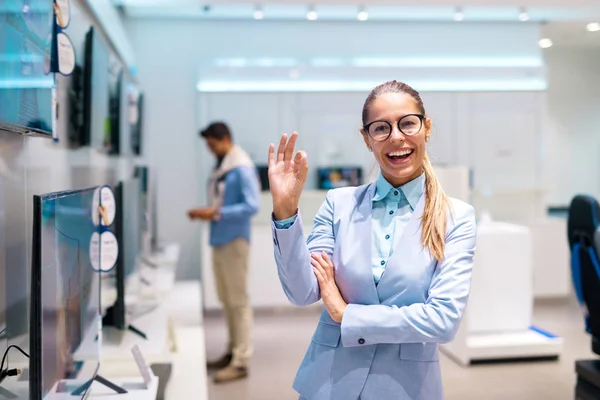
x: 362, y: 15
x: 545, y: 43
x: 258, y: 13
x: 523, y: 15
x: 593, y: 27
x: 459, y: 15
x: 312, y: 15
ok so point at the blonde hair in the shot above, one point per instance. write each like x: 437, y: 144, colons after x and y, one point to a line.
x: 437, y: 203
x: 435, y: 214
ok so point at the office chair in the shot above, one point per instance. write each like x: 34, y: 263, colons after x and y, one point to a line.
x: 583, y: 229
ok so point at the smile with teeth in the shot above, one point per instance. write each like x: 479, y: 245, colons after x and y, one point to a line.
x: 400, y: 154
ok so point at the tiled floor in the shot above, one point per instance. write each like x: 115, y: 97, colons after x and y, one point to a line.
x: 282, y: 338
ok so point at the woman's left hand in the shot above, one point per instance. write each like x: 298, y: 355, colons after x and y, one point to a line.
x: 330, y: 294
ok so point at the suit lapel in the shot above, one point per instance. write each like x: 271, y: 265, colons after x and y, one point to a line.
x: 360, y: 242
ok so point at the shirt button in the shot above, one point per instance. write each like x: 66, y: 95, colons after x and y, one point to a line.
x: 382, y: 262
x: 395, y: 192
x: 361, y: 341
x: 391, y: 212
x: 387, y: 237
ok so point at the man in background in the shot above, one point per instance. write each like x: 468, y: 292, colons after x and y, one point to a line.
x: 234, y: 195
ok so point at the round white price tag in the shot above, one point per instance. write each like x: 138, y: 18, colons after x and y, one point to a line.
x: 104, y: 251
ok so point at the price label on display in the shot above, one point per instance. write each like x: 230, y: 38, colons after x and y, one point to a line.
x: 104, y: 251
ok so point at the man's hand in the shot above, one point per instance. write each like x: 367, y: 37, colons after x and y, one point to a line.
x: 203, y: 213
x: 330, y: 294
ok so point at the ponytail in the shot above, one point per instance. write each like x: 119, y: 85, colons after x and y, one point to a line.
x: 435, y: 214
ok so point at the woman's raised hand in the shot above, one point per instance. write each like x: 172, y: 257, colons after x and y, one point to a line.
x: 287, y: 175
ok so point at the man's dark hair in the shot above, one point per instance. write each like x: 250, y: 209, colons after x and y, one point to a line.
x: 216, y: 130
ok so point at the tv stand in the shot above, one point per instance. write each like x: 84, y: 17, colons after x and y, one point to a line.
x: 137, y: 331
x: 98, y: 378
x: 109, y: 320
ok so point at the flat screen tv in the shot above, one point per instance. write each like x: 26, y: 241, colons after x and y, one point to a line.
x: 155, y: 244
x: 136, y: 114
x: 26, y: 86
x: 142, y: 173
x: 339, y: 176
x: 76, y: 101
x: 96, y: 91
x: 113, y: 133
x: 65, y: 296
x: 127, y: 228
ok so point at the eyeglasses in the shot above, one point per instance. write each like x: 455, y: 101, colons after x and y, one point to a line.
x: 409, y: 125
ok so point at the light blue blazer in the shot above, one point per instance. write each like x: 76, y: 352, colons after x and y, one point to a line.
x: 387, y: 344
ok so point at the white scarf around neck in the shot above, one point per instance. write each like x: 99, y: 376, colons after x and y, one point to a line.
x: 235, y: 158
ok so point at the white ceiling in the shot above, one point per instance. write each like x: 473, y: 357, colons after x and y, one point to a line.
x: 419, y: 3
x: 564, y: 20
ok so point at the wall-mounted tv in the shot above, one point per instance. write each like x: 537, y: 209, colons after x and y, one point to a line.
x: 136, y: 113
x: 26, y: 84
x: 339, y: 176
x: 96, y: 90
x: 112, y: 135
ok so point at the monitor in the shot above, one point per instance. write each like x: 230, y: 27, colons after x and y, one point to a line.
x: 136, y: 113
x: 112, y: 138
x: 127, y: 228
x: 96, y: 90
x: 65, y: 296
x: 26, y: 84
x: 339, y: 176
x: 142, y: 173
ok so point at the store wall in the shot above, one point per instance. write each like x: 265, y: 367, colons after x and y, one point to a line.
x: 172, y: 56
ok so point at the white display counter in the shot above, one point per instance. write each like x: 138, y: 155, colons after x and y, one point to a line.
x: 498, y: 322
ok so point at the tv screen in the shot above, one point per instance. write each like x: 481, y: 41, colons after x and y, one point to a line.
x: 75, y: 94
x: 334, y: 177
x: 127, y: 230
x: 142, y: 173
x: 136, y: 107
x: 65, y: 295
x: 96, y: 90
x: 155, y: 244
x: 26, y: 85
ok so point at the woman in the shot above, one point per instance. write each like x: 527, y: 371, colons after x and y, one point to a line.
x: 390, y: 260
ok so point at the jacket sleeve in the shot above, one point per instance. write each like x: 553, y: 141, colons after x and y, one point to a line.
x: 292, y: 254
x: 437, y: 319
x: 250, y: 197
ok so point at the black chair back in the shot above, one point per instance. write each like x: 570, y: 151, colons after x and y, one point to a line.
x: 584, y: 242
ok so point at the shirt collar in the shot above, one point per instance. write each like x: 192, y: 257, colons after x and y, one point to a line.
x: 412, y: 190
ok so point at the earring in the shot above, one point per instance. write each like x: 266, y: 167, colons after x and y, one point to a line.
x: 370, y: 149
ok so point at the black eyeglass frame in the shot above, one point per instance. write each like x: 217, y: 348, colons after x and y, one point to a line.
x: 421, y: 118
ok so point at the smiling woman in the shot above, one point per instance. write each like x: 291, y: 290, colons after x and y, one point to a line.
x: 393, y: 270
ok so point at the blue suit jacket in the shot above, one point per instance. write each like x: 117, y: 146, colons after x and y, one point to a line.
x: 387, y: 344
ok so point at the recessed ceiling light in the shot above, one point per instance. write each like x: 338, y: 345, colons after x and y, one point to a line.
x: 459, y: 15
x: 523, y: 15
x: 312, y: 15
x: 362, y: 15
x: 259, y: 13
x: 593, y: 27
x: 545, y: 43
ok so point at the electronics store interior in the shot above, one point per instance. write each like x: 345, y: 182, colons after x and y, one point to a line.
x: 140, y: 259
